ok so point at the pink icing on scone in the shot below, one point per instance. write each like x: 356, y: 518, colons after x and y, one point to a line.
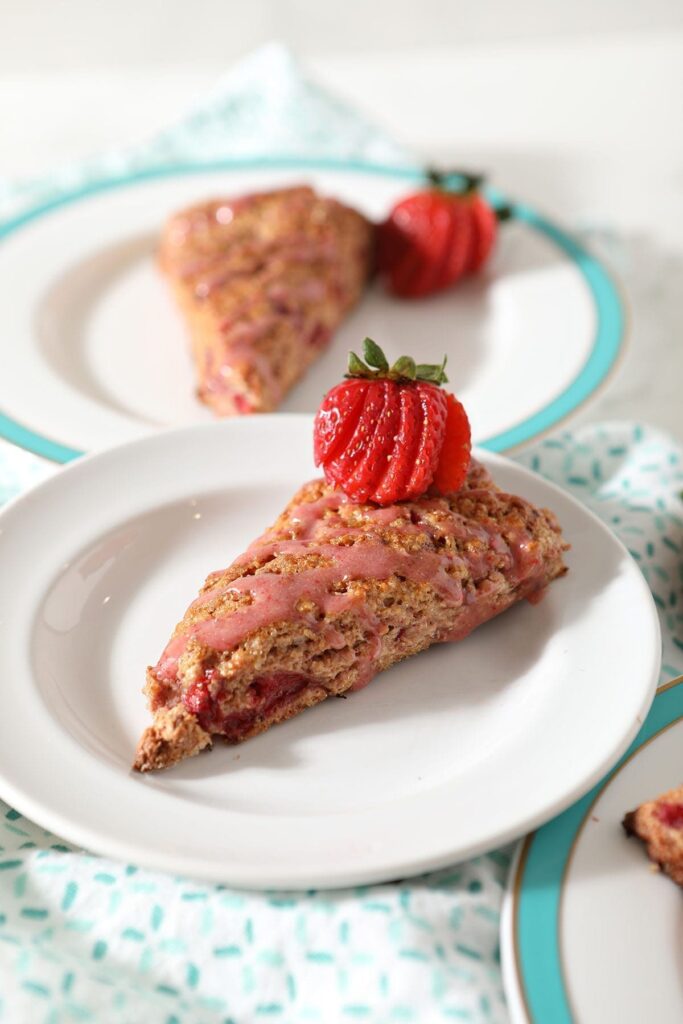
x: 332, y: 594
x: 263, y: 282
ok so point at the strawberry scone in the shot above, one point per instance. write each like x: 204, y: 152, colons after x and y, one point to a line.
x: 263, y: 281
x: 342, y: 587
x: 659, y: 824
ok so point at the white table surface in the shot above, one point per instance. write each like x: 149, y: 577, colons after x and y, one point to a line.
x: 588, y: 130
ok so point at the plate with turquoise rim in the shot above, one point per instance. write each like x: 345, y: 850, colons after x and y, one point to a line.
x: 435, y: 761
x: 591, y: 930
x: 99, y: 354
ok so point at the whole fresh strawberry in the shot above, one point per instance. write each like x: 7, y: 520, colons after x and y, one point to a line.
x: 388, y: 434
x: 433, y: 237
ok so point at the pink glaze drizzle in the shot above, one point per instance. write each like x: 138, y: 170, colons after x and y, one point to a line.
x: 223, y: 251
x: 275, y: 596
x: 317, y: 528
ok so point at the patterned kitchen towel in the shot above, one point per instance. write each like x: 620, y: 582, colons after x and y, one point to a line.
x: 266, y: 106
x: 87, y: 939
x: 632, y: 478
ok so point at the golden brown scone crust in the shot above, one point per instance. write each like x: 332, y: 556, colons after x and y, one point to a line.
x: 664, y: 843
x: 328, y: 644
x: 175, y: 735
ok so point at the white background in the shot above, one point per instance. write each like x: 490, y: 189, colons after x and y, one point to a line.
x: 576, y: 107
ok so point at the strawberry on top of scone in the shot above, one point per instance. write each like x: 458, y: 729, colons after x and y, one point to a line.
x: 390, y: 433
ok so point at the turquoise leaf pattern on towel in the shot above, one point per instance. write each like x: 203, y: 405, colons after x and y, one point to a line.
x: 82, y: 938
x: 632, y: 478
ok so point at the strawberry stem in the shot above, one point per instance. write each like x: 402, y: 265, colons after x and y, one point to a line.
x: 471, y: 181
x: 376, y: 367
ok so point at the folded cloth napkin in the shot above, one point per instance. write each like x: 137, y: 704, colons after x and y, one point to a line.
x: 264, y: 107
x: 87, y: 939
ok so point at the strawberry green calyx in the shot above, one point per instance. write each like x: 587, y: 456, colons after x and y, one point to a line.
x: 468, y: 181
x: 504, y: 213
x: 468, y: 184
x: 376, y: 366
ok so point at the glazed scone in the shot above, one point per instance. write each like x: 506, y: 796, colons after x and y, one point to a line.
x: 332, y: 594
x: 263, y: 281
x: 659, y: 824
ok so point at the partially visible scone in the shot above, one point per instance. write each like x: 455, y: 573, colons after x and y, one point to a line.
x: 659, y: 824
x: 263, y: 280
x: 332, y: 594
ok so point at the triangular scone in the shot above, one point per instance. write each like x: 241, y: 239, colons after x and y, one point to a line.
x: 332, y: 594
x: 659, y: 824
x: 263, y: 280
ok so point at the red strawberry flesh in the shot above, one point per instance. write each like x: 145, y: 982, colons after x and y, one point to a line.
x: 393, y: 484
x: 385, y: 433
x: 671, y: 814
x: 484, y: 231
x: 458, y: 246
x: 454, y: 458
x: 336, y: 419
x: 431, y: 427
x: 342, y: 466
x: 363, y: 481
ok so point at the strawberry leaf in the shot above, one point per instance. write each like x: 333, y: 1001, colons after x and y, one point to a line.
x: 435, y: 374
x: 404, y: 367
x: 376, y: 367
x: 356, y: 367
x: 374, y: 355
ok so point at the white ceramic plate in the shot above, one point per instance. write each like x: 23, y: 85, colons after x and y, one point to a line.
x: 445, y: 755
x: 99, y: 353
x: 590, y: 932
